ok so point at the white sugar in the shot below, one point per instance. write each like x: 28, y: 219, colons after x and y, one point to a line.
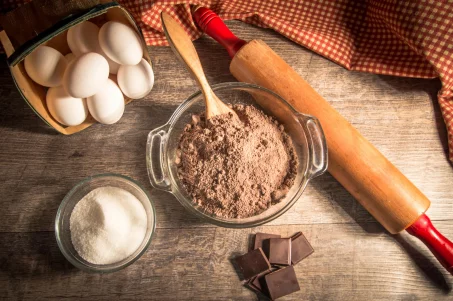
x: 107, y: 225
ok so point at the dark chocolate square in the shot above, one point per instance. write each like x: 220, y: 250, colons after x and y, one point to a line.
x: 300, y: 248
x: 282, y: 282
x: 296, y: 235
x: 253, y: 263
x: 280, y: 251
x: 258, y: 284
x: 250, y: 285
x: 259, y: 237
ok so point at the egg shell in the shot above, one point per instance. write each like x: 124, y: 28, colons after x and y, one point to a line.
x: 65, y: 109
x: 113, y: 66
x: 136, y: 81
x: 83, y: 38
x: 69, y: 57
x: 86, y: 75
x: 45, y: 66
x: 107, y: 106
x: 60, y: 43
x: 121, y: 43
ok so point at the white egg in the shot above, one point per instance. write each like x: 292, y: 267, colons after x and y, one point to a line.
x: 69, y: 57
x: 86, y: 75
x: 65, y: 109
x: 136, y: 81
x: 113, y: 66
x: 121, y: 43
x: 107, y: 106
x: 60, y: 43
x: 84, y: 38
x: 46, y: 66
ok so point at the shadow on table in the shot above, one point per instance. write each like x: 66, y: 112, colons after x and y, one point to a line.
x: 31, y: 254
x: 431, y: 87
x: 233, y: 262
x: 364, y: 219
x: 18, y: 116
x: 219, y: 72
x: 15, y: 113
x: 424, y: 264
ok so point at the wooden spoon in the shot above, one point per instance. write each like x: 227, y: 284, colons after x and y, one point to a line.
x: 186, y: 52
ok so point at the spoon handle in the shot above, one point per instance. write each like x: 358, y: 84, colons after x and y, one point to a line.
x: 185, y: 50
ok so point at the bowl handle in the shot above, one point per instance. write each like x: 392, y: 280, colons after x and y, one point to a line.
x: 317, y: 145
x: 156, y: 160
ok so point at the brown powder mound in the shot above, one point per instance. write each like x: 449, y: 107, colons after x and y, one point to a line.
x: 236, y: 168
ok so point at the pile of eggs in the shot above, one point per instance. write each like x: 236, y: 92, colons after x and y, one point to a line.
x: 80, y: 81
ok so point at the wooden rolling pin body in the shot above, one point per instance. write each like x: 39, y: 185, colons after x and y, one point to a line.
x: 375, y: 182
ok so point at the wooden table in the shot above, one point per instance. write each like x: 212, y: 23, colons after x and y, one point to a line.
x: 354, y: 259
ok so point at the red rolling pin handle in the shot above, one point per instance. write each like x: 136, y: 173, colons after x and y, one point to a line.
x: 217, y: 30
x: 422, y: 228
x: 440, y: 246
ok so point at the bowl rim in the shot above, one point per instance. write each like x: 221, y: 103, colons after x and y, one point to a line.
x: 225, y: 85
x: 174, y: 190
x: 62, y: 206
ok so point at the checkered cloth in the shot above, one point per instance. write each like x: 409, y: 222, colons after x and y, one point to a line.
x: 412, y: 38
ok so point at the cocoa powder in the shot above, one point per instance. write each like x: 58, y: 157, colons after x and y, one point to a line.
x: 236, y: 168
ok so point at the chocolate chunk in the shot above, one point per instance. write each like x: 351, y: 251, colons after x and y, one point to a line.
x: 282, y: 282
x: 253, y: 263
x: 259, y: 237
x: 250, y: 285
x: 280, y: 251
x: 258, y: 284
x: 296, y: 235
x: 300, y: 248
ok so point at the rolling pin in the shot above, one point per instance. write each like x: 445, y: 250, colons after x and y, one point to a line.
x: 370, y: 178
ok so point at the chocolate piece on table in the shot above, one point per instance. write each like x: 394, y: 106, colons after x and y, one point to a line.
x: 260, y: 294
x: 280, y: 251
x: 253, y: 263
x: 259, y: 237
x: 282, y: 282
x: 250, y: 285
x: 296, y: 235
x: 258, y: 284
x: 300, y: 249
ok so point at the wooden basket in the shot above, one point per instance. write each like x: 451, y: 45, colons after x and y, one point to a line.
x: 46, y: 22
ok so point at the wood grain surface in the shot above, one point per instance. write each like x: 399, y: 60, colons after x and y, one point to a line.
x: 354, y: 259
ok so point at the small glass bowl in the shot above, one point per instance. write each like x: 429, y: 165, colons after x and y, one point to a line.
x: 63, y: 233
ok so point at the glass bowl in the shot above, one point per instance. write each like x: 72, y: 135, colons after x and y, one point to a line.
x: 305, y: 131
x: 63, y: 233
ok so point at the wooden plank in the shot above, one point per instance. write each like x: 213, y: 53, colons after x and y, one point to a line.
x: 383, y: 110
x: 349, y: 263
x: 354, y: 258
x: 36, y: 183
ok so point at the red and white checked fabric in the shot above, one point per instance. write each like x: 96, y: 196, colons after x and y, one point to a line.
x: 412, y: 38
